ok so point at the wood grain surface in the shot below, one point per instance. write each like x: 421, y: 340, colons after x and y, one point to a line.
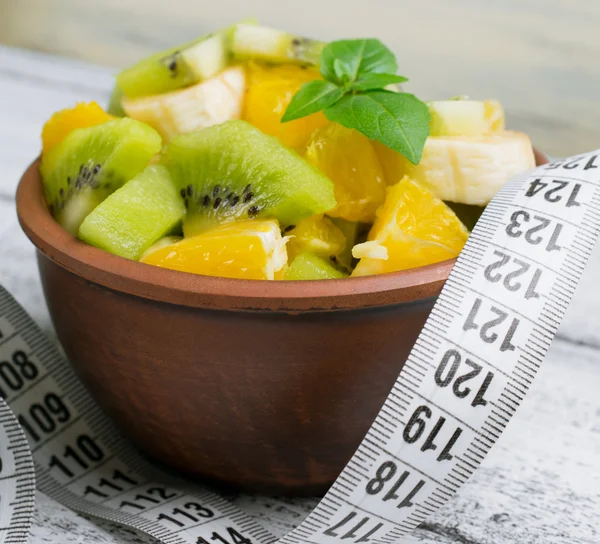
x: 539, y: 485
x: 539, y: 57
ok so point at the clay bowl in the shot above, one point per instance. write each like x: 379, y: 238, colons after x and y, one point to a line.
x: 262, y: 386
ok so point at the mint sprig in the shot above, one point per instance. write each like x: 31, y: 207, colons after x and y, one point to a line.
x: 353, y: 93
x: 313, y: 96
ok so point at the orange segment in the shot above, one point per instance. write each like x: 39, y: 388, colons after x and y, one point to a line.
x: 270, y: 90
x: 251, y: 250
x: 413, y: 228
x: 347, y: 158
x: 63, y: 122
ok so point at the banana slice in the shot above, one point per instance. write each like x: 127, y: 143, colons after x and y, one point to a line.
x: 211, y: 102
x: 465, y: 169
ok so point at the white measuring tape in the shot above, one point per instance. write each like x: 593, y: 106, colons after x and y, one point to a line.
x: 463, y: 380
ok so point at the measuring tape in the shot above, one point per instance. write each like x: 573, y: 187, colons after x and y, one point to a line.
x: 466, y: 375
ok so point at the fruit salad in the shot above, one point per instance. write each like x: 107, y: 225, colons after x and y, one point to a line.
x: 251, y: 153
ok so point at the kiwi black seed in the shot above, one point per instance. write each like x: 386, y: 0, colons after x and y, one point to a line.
x: 86, y: 178
x: 234, y: 201
x: 217, y: 202
x: 248, y: 197
x: 301, y: 48
x: 171, y: 63
x: 253, y: 211
x: 206, y: 201
x: 182, y: 193
x: 190, y: 190
x: 289, y: 228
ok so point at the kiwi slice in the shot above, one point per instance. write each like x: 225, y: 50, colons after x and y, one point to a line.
x: 91, y: 163
x: 135, y: 216
x: 114, y: 103
x: 271, y: 45
x: 159, y: 244
x: 234, y: 171
x: 350, y: 230
x: 177, y: 67
x: 308, y: 266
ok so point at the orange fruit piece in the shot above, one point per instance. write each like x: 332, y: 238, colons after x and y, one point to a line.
x: 63, y: 122
x: 251, y: 250
x: 348, y: 159
x: 270, y: 90
x: 413, y: 228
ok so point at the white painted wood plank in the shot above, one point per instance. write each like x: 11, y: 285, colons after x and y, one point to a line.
x: 541, y: 484
x: 32, y: 87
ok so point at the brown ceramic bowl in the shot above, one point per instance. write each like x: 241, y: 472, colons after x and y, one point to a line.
x: 263, y: 386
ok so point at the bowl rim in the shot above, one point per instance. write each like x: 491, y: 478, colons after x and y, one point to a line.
x: 170, y: 286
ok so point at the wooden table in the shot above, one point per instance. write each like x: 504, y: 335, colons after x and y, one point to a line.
x: 539, y: 485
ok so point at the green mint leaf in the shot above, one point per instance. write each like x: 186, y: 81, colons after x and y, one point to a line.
x: 358, y: 57
x: 342, y: 71
x: 376, y: 81
x: 398, y: 120
x: 312, y: 97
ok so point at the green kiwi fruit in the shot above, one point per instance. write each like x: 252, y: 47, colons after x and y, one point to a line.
x: 114, y: 103
x: 177, y: 67
x: 91, y: 163
x: 234, y: 171
x: 159, y: 244
x: 135, y: 216
x: 350, y: 229
x: 271, y: 45
x: 308, y: 266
